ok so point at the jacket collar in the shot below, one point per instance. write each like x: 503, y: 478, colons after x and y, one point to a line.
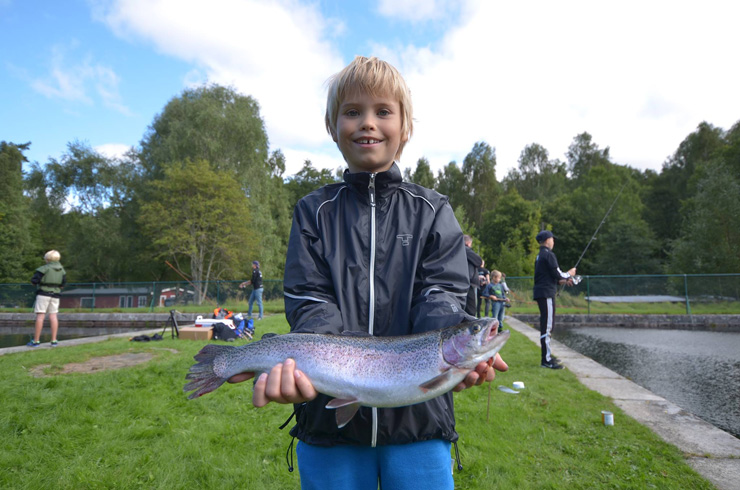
x: 385, y: 182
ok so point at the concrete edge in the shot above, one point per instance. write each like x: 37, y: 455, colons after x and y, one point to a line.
x: 79, y: 341
x: 710, y: 451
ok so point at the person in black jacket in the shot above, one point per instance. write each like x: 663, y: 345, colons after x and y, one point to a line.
x: 547, y: 276
x: 372, y: 255
x: 49, y: 279
x: 257, y: 289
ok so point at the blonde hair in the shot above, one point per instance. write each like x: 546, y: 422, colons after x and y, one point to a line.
x: 375, y: 77
x: 52, y: 256
x: 495, y: 273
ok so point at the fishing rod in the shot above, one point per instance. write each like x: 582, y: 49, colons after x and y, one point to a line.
x: 602, y: 222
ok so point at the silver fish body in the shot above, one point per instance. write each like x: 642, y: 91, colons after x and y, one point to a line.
x: 359, y: 370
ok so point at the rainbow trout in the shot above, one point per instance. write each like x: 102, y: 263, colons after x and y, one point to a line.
x: 359, y: 370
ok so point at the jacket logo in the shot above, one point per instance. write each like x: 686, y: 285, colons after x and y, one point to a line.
x: 405, y: 239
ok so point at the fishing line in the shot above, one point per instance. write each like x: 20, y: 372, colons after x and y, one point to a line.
x: 602, y: 222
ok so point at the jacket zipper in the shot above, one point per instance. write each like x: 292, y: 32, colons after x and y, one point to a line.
x: 371, y: 318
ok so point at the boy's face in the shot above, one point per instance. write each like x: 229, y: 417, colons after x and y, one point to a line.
x: 496, y: 279
x: 369, y: 131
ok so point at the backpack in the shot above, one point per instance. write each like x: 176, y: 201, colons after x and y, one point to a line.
x: 221, y: 331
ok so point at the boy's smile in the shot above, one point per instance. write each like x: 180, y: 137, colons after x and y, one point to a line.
x: 369, y: 131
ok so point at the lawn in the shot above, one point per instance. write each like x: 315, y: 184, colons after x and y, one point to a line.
x: 135, y: 428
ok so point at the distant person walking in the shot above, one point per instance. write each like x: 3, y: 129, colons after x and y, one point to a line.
x: 49, y: 279
x: 474, y: 263
x: 547, y: 276
x: 256, y: 283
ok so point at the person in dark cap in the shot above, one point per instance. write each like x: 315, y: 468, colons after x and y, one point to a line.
x: 256, y: 283
x: 547, y: 276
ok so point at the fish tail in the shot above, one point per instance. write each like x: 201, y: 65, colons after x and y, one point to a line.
x: 203, y: 379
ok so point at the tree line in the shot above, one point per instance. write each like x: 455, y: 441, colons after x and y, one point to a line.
x: 202, y: 196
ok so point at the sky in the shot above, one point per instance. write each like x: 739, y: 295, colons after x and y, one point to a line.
x: 639, y: 76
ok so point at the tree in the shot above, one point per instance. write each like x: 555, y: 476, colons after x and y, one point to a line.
x: 451, y: 183
x: 508, y: 232
x: 307, y: 180
x: 537, y: 178
x: 190, y: 222
x: 217, y: 125
x: 583, y: 154
x: 666, y: 191
x: 16, y: 241
x: 422, y: 175
x: 480, y: 184
x: 210, y: 123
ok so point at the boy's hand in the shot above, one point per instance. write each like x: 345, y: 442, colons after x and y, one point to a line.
x: 484, y: 371
x: 284, y: 384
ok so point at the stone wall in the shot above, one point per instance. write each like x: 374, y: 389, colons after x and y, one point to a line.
x: 718, y: 323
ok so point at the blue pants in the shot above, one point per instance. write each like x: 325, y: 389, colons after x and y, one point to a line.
x: 424, y: 465
x: 256, y: 295
x: 497, y: 311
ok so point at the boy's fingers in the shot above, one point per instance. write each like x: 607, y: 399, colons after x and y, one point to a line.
x: 288, y: 389
x: 258, y: 396
x: 274, y: 383
x: 499, y: 364
x: 304, y: 385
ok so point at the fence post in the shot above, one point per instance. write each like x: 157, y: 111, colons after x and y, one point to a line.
x: 92, y: 306
x: 154, y: 289
x: 686, y: 292
x: 588, y: 295
x: 218, y: 293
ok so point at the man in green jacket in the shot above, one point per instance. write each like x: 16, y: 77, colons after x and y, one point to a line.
x: 49, y: 279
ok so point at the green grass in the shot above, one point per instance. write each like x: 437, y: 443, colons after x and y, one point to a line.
x: 134, y: 428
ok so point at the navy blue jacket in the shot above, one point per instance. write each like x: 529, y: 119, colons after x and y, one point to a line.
x: 383, y: 257
x: 547, y: 274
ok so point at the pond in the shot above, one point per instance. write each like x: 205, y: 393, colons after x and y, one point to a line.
x: 698, y: 371
x: 15, y: 336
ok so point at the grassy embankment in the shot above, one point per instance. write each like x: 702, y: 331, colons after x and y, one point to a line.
x: 134, y: 427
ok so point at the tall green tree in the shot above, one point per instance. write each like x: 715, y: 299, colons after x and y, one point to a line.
x: 507, y: 234
x: 16, y: 241
x: 422, y: 174
x: 451, y: 183
x: 666, y: 191
x: 583, y: 154
x: 307, y: 180
x: 205, y: 233
x: 709, y: 235
x: 537, y: 178
x: 480, y: 184
x: 220, y: 126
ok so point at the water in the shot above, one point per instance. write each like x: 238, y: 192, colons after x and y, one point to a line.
x: 698, y: 371
x: 15, y: 336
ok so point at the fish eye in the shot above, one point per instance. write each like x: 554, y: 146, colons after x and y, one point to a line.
x: 476, y: 328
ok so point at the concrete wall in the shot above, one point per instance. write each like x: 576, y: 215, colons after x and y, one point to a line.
x: 718, y: 323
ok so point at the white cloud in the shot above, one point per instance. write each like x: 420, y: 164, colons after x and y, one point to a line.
x: 113, y: 150
x: 416, y: 10
x: 277, y: 52
x: 638, y: 76
x: 80, y: 81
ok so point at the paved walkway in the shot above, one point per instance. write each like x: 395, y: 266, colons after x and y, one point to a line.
x: 713, y: 453
x: 83, y: 340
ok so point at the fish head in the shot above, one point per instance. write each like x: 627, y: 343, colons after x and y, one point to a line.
x: 471, y: 342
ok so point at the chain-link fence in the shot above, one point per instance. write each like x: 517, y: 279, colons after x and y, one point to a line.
x: 720, y: 292
x: 711, y: 292
x: 142, y: 296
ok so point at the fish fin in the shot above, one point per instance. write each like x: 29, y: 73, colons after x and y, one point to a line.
x: 345, y: 413
x: 346, y: 409
x: 341, y: 402
x: 203, y: 379
x: 439, y: 380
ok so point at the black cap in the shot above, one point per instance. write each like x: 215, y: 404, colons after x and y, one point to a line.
x: 544, y: 235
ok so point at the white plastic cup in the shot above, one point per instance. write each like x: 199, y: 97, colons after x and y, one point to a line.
x: 607, y: 417
x: 518, y: 385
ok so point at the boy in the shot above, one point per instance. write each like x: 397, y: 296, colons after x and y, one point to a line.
x: 378, y: 256
x: 49, y: 279
x: 547, y: 276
